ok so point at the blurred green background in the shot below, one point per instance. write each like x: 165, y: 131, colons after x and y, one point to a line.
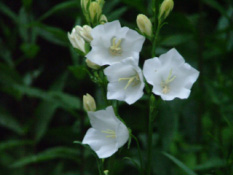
x: 42, y: 83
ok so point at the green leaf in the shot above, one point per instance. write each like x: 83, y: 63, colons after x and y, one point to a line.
x: 78, y: 71
x: 8, y: 121
x: 117, y: 13
x: 175, y: 40
x: 49, y: 154
x: 59, y: 7
x: 135, y: 163
x: 136, y: 5
x: 46, y: 110
x: 13, y: 143
x: 63, y: 100
x: 23, y: 28
x: 187, y: 170
x: 216, y: 5
x: 210, y: 164
x: 53, y: 34
x: 67, y: 100
x: 8, y: 12
x: 29, y: 50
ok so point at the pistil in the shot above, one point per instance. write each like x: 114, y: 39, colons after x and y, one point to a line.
x: 133, y: 79
x: 115, y: 49
x: 165, y: 84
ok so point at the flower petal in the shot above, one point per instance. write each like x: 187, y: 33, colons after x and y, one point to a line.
x: 102, y: 119
x: 103, y: 146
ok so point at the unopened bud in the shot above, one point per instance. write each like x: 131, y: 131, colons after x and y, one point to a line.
x: 103, y: 19
x: 85, y: 32
x: 76, y: 40
x: 106, y: 172
x: 144, y: 24
x: 92, y: 65
x: 100, y: 2
x: 89, y: 103
x: 95, y: 11
x: 84, y: 4
x: 165, y: 8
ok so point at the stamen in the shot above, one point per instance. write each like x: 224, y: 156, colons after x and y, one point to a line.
x: 165, y: 84
x: 110, y: 133
x: 133, y: 79
x: 115, y: 48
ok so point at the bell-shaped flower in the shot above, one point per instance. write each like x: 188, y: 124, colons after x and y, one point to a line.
x: 112, y: 43
x: 76, y: 40
x: 125, y: 81
x: 107, y: 134
x: 170, y: 76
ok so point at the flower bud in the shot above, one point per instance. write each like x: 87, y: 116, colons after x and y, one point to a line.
x: 89, y: 103
x: 76, y: 40
x: 106, y: 172
x: 92, y: 65
x: 100, y: 2
x: 103, y: 19
x: 84, y: 32
x: 95, y: 11
x: 144, y: 24
x: 84, y: 4
x: 165, y: 8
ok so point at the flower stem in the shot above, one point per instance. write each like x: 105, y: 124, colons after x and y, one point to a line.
x: 139, y: 153
x: 150, y: 132
x: 156, y: 26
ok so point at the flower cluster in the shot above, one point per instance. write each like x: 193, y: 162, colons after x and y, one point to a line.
x: 117, y: 49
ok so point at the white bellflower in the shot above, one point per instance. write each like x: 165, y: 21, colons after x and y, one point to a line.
x: 125, y: 81
x: 112, y: 43
x: 107, y: 134
x: 170, y: 76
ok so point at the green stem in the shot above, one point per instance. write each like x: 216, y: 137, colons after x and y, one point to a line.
x: 150, y: 132
x: 154, y: 44
x: 139, y: 153
x: 156, y: 26
x: 100, y: 166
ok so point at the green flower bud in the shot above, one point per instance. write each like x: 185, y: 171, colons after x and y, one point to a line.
x: 103, y: 19
x: 89, y: 103
x: 144, y: 24
x: 165, y: 8
x: 95, y: 11
x: 106, y: 172
x: 92, y: 65
x: 84, y: 4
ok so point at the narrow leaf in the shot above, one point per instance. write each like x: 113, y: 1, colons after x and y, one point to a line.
x: 13, y: 143
x: 59, y: 7
x: 8, y: 121
x: 187, y: 170
x: 49, y: 154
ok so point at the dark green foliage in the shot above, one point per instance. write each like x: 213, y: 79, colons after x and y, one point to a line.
x: 42, y: 81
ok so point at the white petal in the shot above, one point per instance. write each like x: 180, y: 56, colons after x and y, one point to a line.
x: 103, y: 118
x: 172, y: 57
x: 134, y: 93
x: 133, y: 41
x: 122, y: 135
x: 107, y: 150
x: 103, y: 146
x: 150, y: 69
